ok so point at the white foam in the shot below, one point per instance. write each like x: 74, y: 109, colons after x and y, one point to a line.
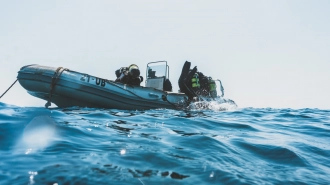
x: 218, y: 104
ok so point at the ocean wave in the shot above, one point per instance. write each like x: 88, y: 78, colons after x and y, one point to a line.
x: 200, y: 145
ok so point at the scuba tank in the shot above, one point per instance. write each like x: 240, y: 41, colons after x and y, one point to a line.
x: 212, y: 87
x: 195, y: 81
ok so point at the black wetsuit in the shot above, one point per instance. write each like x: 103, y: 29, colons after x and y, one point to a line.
x: 124, y: 77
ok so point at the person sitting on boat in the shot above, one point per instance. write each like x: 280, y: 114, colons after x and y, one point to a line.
x: 129, y: 75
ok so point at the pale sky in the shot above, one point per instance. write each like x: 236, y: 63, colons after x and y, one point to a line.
x: 268, y: 53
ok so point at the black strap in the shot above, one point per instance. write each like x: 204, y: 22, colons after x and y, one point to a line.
x: 55, y: 78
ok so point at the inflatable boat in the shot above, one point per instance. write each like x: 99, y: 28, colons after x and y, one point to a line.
x: 67, y: 88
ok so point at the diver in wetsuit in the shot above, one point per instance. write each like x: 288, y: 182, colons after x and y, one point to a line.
x: 203, y: 85
x: 195, y: 84
x: 129, y: 75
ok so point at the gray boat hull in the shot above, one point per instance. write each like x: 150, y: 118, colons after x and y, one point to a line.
x: 67, y: 88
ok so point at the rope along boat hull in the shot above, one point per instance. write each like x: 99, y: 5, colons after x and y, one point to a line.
x: 67, y: 88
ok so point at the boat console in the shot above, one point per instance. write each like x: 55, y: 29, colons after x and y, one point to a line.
x: 157, y: 76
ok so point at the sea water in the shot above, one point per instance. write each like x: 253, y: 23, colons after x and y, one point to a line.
x: 213, y: 145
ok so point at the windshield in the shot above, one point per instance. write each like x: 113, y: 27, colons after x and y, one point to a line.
x: 157, y: 69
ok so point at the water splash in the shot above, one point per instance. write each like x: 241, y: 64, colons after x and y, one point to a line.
x: 218, y: 104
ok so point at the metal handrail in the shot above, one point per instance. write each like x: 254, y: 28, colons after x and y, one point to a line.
x: 221, y: 88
